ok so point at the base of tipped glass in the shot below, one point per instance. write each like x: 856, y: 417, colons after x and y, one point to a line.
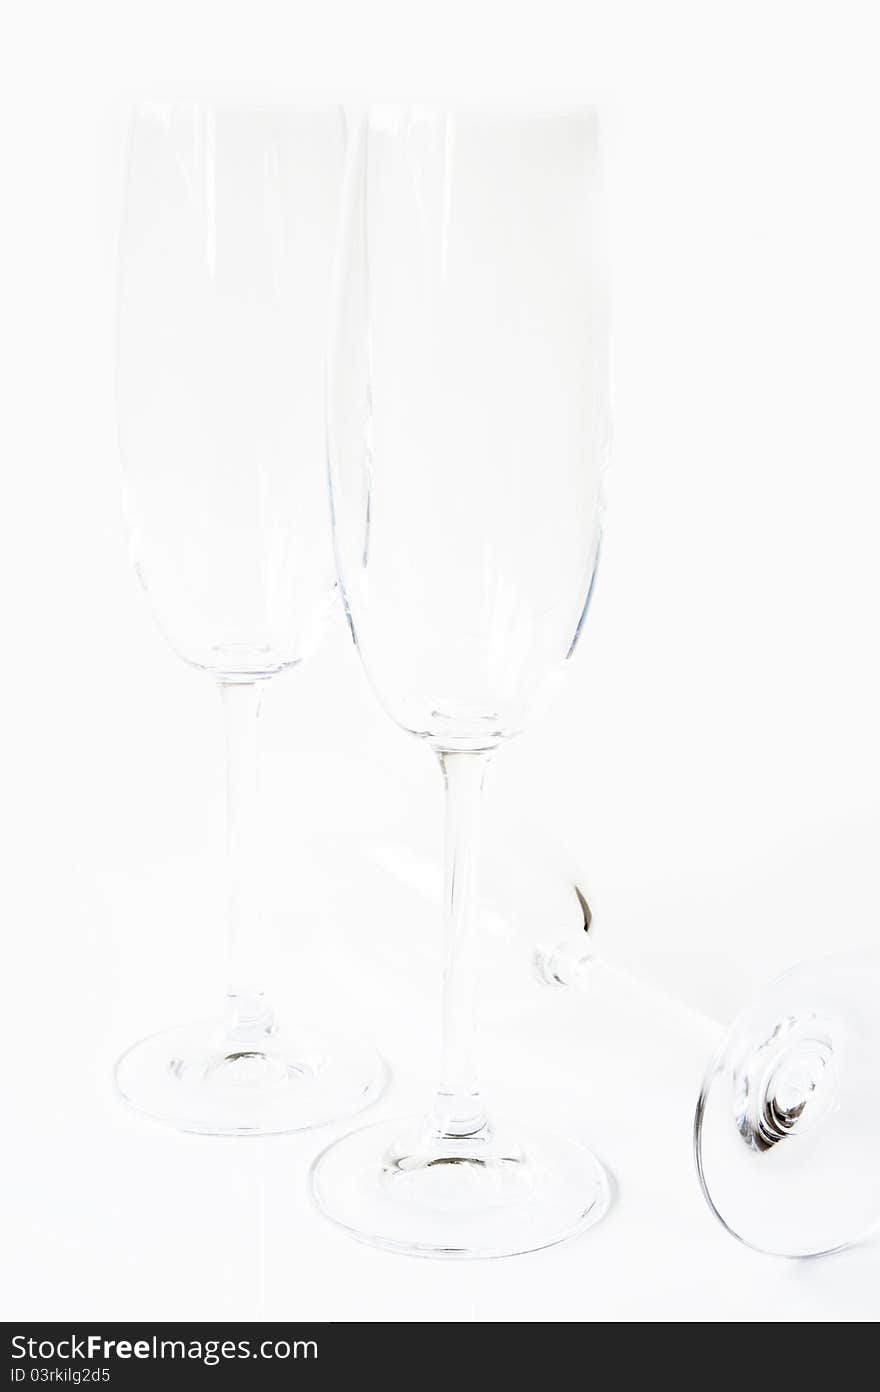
x: 785, y: 1134
x: 207, y: 1079
x: 506, y: 1190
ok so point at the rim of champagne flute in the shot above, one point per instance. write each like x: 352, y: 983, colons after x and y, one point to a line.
x: 220, y: 100
x: 502, y: 112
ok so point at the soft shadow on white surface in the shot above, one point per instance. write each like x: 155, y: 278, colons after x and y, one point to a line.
x: 192, y: 1227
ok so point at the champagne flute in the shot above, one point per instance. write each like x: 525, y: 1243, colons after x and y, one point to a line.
x: 226, y: 251
x: 467, y: 421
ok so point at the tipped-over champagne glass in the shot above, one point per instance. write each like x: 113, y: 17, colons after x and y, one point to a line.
x: 468, y: 439
x: 786, y: 1145
x: 226, y: 252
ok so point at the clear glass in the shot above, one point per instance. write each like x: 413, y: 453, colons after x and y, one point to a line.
x: 786, y: 1146
x: 468, y: 442
x: 225, y: 270
x: 785, y: 1135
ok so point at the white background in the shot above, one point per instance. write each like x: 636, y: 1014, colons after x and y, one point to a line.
x: 714, y: 761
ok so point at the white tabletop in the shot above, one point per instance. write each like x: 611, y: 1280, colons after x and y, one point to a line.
x: 114, y: 1217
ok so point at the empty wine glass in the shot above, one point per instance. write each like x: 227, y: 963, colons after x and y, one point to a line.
x: 468, y: 441
x: 226, y: 251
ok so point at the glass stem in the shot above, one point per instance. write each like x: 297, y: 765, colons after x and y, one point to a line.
x: 458, y: 1106
x: 249, y: 1017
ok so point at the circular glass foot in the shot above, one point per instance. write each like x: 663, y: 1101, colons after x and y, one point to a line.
x: 400, y: 1185
x: 785, y: 1135
x: 201, y: 1078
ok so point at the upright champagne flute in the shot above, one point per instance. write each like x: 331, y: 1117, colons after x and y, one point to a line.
x: 467, y: 411
x: 226, y: 253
